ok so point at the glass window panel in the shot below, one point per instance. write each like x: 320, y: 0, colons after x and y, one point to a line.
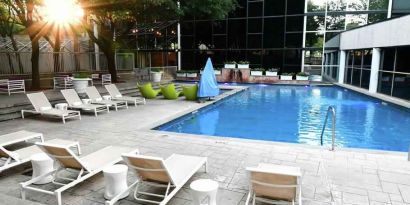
x: 294, y: 23
x: 373, y: 18
x: 315, y: 5
x: 219, y: 27
x: 254, y: 41
x: 354, y: 20
x: 219, y: 42
x: 365, y: 79
x: 203, y: 33
x: 335, y: 22
x: 293, y: 57
x: 313, y: 57
x: 255, y: 9
x: 401, y: 88
x: 357, y: 5
x: 294, y: 40
x: 378, y: 4
x: 187, y: 60
x: 255, y: 25
x: 273, y: 33
x: 236, y: 55
x: 335, y: 71
x: 240, y: 10
x: 348, y: 77
x: 274, y: 7
x: 272, y: 59
x: 367, y: 58
x: 401, y: 6
x: 315, y: 23
x: 357, y: 62
x: 385, y: 82
x: 237, y: 33
x: 388, y: 59
x: 356, y: 76
x: 218, y: 58
x: 295, y: 7
x: 336, y: 5
x: 187, y: 28
x: 255, y: 58
x: 187, y: 42
x: 350, y: 59
x: 403, y: 59
x: 314, y: 40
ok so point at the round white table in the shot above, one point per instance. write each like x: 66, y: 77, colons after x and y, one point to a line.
x: 42, y: 164
x: 61, y: 106
x: 204, y: 190
x: 115, y: 178
x: 86, y: 101
x: 107, y: 97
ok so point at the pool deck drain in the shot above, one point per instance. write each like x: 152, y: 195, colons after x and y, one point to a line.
x: 356, y: 176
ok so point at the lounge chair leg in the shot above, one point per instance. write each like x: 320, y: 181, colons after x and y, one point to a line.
x: 206, y: 167
x: 63, y: 120
x: 22, y: 114
x: 58, y: 195
x: 95, y: 112
x: 23, y: 193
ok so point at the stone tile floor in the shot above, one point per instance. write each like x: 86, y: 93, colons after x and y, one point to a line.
x: 354, y: 176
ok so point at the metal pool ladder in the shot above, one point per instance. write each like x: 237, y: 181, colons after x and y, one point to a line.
x: 332, y: 110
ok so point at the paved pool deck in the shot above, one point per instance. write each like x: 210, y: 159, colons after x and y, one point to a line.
x: 353, y: 176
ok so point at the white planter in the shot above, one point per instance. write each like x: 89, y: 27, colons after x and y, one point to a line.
x: 217, y: 72
x: 302, y: 77
x: 286, y: 77
x: 271, y: 73
x: 181, y: 75
x: 192, y: 75
x: 257, y: 73
x: 230, y: 65
x: 80, y: 84
x: 156, y: 77
x: 243, y: 65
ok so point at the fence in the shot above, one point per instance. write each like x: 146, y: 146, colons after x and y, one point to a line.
x: 13, y: 63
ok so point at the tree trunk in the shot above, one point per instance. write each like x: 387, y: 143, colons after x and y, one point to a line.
x: 35, y: 56
x: 111, y: 65
x: 76, y: 52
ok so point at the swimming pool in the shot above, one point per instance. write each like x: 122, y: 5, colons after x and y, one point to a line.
x: 296, y: 114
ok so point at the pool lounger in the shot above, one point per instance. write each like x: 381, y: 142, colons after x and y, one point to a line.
x: 116, y: 95
x: 74, y: 102
x: 274, y: 184
x: 171, y: 173
x: 86, y: 167
x: 96, y: 98
x: 42, y: 106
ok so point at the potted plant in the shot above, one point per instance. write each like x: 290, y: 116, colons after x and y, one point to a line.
x: 243, y: 64
x: 257, y: 71
x: 230, y: 64
x: 286, y: 76
x: 181, y: 73
x: 156, y: 74
x: 272, y: 72
x: 191, y: 74
x: 302, y: 76
x: 81, y: 80
x: 217, y: 71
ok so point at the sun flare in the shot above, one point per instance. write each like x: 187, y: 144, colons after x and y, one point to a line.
x: 62, y: 12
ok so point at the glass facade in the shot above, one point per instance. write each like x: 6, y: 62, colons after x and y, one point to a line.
x: 358, y: 65
x: 331, y: 65
x: 394, y: 74
x: 267, y: 33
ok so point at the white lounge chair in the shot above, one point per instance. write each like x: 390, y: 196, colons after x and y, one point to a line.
x: 116, y: 95
x: 12, y: 86
x: 86, y: 167
x: 274, y: 184
x: 74, y: 102
x: 170, y: 174
x: 16, y: 157
x: 62, y: 81
x: 42, y: 106
x: 96, y: 98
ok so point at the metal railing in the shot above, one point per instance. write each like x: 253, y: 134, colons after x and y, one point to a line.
x: 331, y: 110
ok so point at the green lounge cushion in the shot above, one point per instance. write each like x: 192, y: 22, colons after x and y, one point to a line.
x: 169, y: 92
x: 190, y: 92
x: 147, y: 91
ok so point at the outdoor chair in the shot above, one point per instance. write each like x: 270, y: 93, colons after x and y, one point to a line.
x: 84, y: 167
x: 74, y: 102
x: 274, y: 184
x: 96, y: 98
x: 169, y: 92
x: 103, y: 79
x: 190, y: 92
x: 12, y: 86
x: 116, y: 95
x: 42, y: 106
x: 62, y: 82
x: 147, y: 91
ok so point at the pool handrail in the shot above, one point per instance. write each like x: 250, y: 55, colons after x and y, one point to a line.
x: 332, y: 110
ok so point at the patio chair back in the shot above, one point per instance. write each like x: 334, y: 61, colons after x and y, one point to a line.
x: 63, y: 155
x: 5, y: 153
x: 71, y: 97
x: 148, y: 168
x: 271, y: 185
x: 113, y: 90
x: 39, y: 101
x: 93, y: 93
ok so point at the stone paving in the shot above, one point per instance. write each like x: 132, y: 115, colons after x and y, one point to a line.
x: 354, y: 176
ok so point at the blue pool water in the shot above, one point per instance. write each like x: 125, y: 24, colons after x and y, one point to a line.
x: 296, y: 114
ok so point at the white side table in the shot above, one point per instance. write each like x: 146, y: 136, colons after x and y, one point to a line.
x: 42, y: 164
x: 86, y: 101
x: 115, y: 178
x: 107, y: 97
x: 61, y: 106
x: 204, y: 190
